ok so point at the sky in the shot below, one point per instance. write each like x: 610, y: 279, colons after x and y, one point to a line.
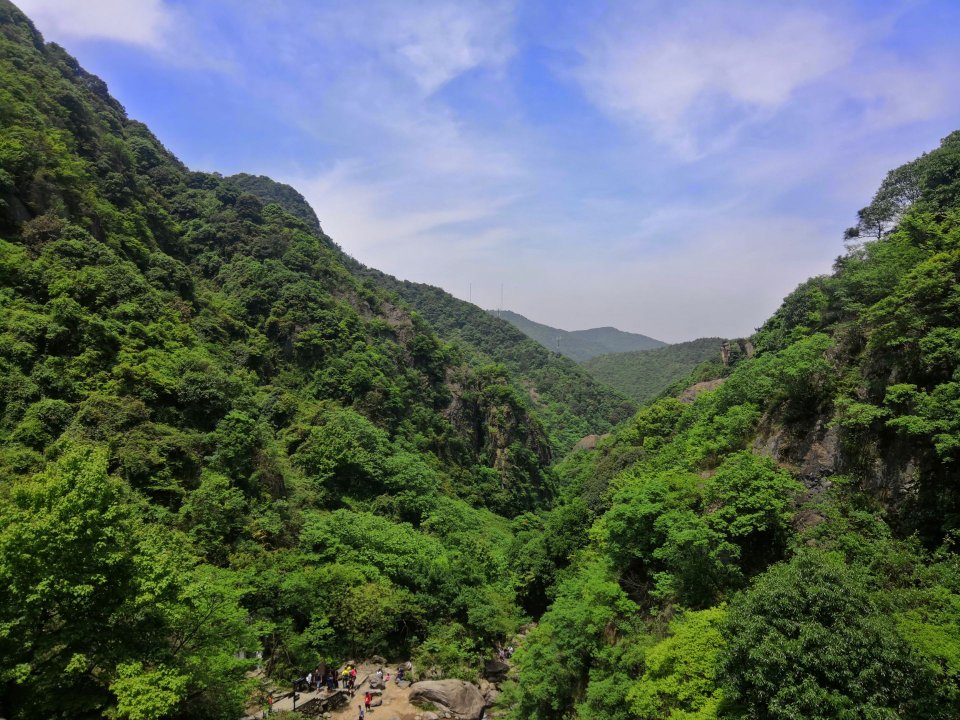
x: 669, y: 168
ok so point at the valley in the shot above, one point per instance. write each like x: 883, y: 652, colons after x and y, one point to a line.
x: 231, y: 453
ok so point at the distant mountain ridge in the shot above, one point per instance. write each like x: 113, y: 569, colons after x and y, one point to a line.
x: 643, y: 375
x: 580, y: 345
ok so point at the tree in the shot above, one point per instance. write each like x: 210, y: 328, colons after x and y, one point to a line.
x: 809, y: 640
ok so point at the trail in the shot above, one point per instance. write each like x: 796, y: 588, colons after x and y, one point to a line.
x: 396, y: 700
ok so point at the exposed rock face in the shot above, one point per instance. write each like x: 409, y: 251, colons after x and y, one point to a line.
x: 589, y: 442
x: 814, y: 454
x: 732, y: 351
x: 496, y: 670
x: 691, y: 392
x: 461, y: 698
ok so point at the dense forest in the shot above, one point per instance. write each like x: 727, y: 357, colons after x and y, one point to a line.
x: 783, y: 544
x: 568, y: 401
x: 216, y: 439
x: 645, y: 374
x: 221, y: 438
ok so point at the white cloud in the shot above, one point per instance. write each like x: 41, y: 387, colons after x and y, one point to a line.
x: 429, y: 43
x: 137, y: 22
x: 394, y: 222
x: 697, y: 77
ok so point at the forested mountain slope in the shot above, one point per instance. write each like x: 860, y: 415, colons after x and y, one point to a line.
x: 214, y: 437
x: 568, y: 400
x: 645, y: 374
x: 579, y: 345
x: 782, y: 546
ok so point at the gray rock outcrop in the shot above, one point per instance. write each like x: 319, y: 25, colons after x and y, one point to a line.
x: 461, y: 698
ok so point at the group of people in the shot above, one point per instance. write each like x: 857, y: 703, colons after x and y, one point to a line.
x: 504, y: 653
x: 327, y: 676
x: 323, y: 676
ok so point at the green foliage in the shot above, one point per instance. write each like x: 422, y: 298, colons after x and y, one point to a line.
x: 680, y: 680
x: 643, y: 375
x: 834, y: 608
x: 218, y: 436
x: 570, y: 403
x: 810, y: 640
x: 590, y: 606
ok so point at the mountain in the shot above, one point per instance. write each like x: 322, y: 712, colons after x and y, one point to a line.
x: 567, y: 400
x: 579, y: 345
x: 645, y: 374
x: 779, y: 541
x: 229, y: 452
x: 217, y: 442
x: 270, y: 191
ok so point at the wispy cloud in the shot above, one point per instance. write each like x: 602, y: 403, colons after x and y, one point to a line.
x: 671, y: 168
x: 699, y: 75
x: 145, y: 23
x: 429, y: 43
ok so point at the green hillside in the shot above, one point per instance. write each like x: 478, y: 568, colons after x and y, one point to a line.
x: 579, y: 345
x: 784, y: 545
x: 226, y: 447
x: 567, y: 399
x: 644, y: 375
x: 215, y: 439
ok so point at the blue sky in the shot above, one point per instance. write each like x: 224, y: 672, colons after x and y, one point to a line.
x: 670, y: 168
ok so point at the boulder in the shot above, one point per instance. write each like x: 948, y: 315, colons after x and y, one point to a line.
x: 461, y: 698
x: 495, y: 670
x: 489, y: 691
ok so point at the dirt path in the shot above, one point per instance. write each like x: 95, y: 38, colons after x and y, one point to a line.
x: 396, y: 701
x: 396, y: 704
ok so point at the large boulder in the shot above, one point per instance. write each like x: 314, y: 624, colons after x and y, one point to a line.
x: 461, y: 698
x: 496, y: 670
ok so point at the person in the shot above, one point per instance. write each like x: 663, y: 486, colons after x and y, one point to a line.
x: 309, y: 680
x: 399, y: 674
x: 367, y: 699
x: 387, y: 678
x: 380, y: 675
x: 363, y: 713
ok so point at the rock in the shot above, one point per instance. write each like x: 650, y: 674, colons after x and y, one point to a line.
x: 461, y: 698
x: 408, y: 666
x: 377, y: 660
x: 376, y: 684
x: 489, y: 691
x: 495, y: 670
x: 589, y: 442
x: 403, y: 683
x: 690, y: 394
x: 376, y: 702
x: 430, y: 716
